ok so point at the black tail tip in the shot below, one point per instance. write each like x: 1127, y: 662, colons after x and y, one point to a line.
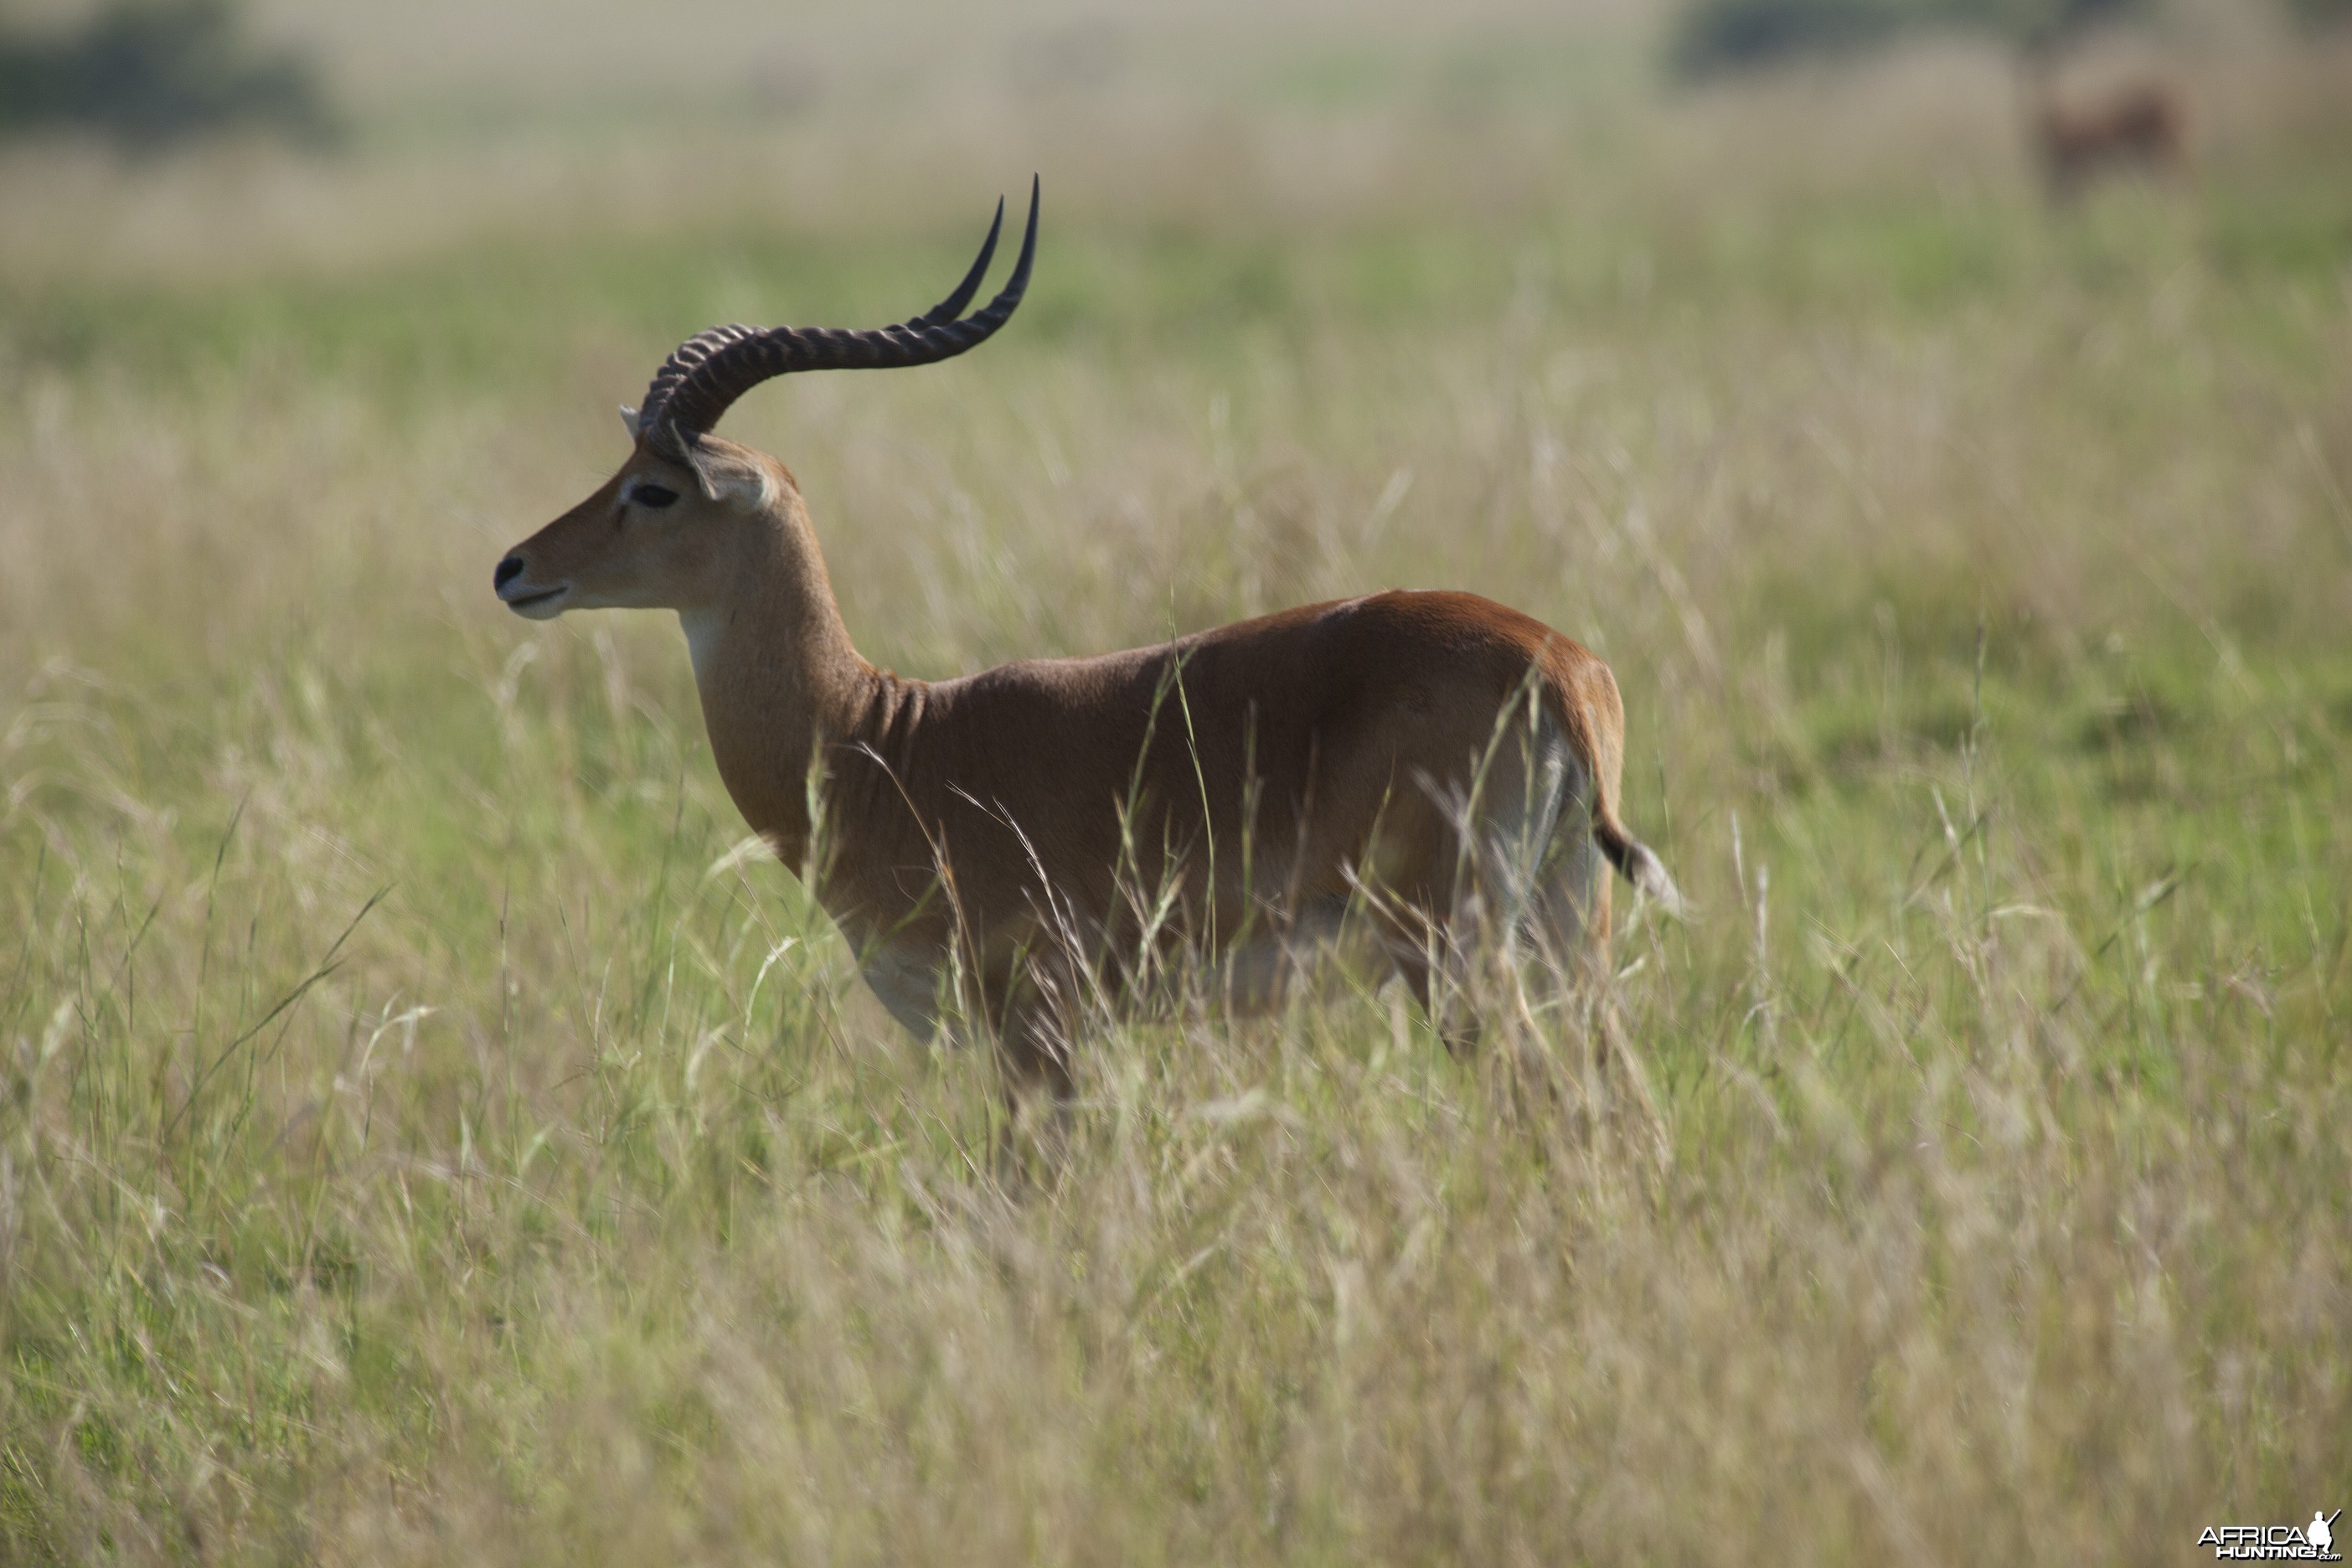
x: 1641, y: 865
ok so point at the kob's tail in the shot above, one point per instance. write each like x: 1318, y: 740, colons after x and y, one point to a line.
x: 1638, y: 863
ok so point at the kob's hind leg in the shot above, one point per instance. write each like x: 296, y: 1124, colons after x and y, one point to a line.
x: 1465, y: 951
x: 1429, y: 962
x: 1571, y: 916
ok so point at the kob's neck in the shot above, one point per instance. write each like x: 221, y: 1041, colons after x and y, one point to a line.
x: 777, y: 676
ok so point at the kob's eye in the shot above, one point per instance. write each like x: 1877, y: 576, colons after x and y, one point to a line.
x: 655, y: 495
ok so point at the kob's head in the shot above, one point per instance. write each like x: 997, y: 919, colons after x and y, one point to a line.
x: 660, y: 533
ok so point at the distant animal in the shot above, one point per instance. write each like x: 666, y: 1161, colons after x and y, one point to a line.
x: 2139, y: 125
x: 1436, y: 762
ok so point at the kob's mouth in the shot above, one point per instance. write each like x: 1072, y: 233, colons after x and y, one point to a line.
x: 537, y: 604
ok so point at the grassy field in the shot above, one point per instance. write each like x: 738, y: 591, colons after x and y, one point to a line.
x: 425, y: 1137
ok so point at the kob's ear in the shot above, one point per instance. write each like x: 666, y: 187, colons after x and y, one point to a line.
x: 739, y: 481
x: 636, y: 426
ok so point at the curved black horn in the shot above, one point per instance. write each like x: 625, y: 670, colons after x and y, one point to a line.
x: 949, y: 309
x: 706, y: 373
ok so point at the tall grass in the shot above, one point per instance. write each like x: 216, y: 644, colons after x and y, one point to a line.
x: 425, y: 1136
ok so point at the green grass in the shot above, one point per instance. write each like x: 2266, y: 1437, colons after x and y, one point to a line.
x: 421, y: 1139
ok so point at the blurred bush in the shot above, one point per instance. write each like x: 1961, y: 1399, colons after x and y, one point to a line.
x: 1716, y: 35
x: 148, y: 73
x: 2323, y: 12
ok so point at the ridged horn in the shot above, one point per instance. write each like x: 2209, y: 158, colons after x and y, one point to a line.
x: 705, y: 374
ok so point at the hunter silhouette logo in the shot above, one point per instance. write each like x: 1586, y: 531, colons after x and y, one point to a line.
x: 2315, y: 1542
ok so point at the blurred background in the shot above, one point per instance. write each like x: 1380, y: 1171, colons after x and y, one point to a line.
x: 524, y: 205
x: 339, y: 132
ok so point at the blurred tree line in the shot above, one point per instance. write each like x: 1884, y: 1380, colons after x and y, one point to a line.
x: 1715, y: 35
x: 148, y: 73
